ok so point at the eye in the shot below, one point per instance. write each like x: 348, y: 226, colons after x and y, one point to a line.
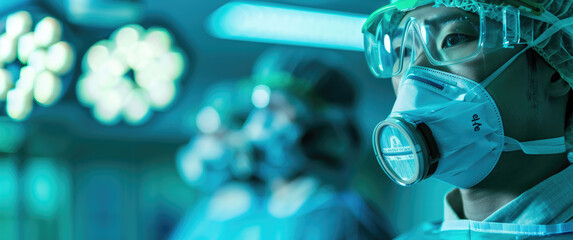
x: 455, y: 39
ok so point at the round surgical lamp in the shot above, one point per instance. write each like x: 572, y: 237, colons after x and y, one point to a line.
x: 131, y: 75
x: 36, y: 61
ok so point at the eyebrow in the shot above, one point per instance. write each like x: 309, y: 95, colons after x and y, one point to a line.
x: 446, y: 19
x: 440, y: 20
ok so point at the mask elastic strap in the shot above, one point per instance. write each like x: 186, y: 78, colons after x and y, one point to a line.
x: 548, y: 33
x: 543, y: 146
x: 548, y: 17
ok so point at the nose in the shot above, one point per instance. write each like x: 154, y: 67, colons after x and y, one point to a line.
x: 421, y: 59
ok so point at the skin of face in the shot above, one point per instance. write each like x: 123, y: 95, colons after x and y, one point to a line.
x: 530, y: 108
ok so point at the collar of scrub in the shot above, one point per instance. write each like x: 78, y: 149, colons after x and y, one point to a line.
x: 549, y: 202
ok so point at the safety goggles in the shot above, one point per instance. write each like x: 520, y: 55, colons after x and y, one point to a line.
x: 395, y: 36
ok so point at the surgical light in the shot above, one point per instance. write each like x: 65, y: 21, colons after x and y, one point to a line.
x: 18, y: 23
x: 18, y: 103
x: 47, y: 32
x: 282, y: 24
x: 33, y: 60
x: 6, y: 83
x: 48, y: 85
x: 26, y: 46
x: 8, y: 49
x: 60, y: 58
x: 115, y: 94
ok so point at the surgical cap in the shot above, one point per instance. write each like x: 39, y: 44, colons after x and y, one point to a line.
x: 556, y: 50
x: 317, y: 75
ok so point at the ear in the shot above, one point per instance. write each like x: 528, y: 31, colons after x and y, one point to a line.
x: 558, y: 87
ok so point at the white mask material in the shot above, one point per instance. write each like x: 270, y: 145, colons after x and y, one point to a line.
x: 465, y: 126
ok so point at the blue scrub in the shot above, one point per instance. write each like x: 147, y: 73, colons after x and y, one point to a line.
x: 548, y: 203
x: 324, y: 214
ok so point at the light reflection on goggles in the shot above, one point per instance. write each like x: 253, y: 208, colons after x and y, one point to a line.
x: 393, y: 36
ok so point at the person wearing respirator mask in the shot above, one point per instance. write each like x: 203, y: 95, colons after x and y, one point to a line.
x: 305, y: 143
x: 298, y: 143
x: 482, y: 90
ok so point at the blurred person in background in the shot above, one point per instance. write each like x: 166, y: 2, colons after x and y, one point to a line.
x: 297, y: 148
x: 483, y: 103
x: 211, y: 158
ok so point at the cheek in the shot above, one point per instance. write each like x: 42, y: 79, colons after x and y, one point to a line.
x: 511, y: 93
x: 511, y: 87
x: 482, y: 66
x: 477, y: 69
x: 515, y: 111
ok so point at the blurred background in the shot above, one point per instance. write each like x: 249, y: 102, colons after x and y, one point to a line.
x: 185, y: 119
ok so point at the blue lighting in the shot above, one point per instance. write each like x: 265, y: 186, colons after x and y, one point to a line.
x: 281, y: 24
x: 45, y: 187
x: 8, y: 185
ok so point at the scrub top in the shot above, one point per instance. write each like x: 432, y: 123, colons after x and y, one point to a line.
x: 549, y: 203
x: 322, y: 213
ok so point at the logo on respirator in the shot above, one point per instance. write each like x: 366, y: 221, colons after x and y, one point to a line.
x: 475, y: 123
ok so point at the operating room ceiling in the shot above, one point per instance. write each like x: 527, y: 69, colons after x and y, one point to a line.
x: 210, y: 60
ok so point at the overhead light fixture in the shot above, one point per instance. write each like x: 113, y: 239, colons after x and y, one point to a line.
x: 109, y: 13
x: 33, y: 60
x: 282, y: 24
x: 130, y: 75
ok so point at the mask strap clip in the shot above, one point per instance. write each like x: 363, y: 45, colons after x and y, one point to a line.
x: 544, y: 146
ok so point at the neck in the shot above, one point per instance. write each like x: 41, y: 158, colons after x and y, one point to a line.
x: 514, y: 174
